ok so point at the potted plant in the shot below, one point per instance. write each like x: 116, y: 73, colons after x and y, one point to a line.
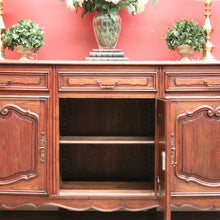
x: 25, y: 37
x: 107, y: 23
x: 185, y: 37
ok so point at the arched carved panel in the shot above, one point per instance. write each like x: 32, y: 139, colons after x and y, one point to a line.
x: 18, y: 144
x: 198, y: 146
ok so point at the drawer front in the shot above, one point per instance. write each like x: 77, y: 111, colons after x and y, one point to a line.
x: 24, y: 80
x: 107, y: 82
x: 192, y: 82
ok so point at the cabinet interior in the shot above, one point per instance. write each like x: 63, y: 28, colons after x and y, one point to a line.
x: 107, y: 144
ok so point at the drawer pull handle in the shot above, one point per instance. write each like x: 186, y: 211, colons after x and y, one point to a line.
x: 107, y: 87
x: 6, y: 84
x: 207, y: 84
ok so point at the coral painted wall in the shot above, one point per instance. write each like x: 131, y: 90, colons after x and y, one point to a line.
x: 69, y: 37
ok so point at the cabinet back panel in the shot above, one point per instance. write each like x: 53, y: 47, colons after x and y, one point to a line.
x: 107, y: 117
x: 107, y: 162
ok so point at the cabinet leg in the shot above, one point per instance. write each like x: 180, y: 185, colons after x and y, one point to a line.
x: 167, y: 214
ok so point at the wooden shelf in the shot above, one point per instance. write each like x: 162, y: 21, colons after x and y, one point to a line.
x: 107, y: 189
x: 106, y: 140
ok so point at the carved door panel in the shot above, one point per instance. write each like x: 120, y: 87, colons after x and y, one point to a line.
x: 195, y: 145
x: 161, y: 157
x: 22, y: 146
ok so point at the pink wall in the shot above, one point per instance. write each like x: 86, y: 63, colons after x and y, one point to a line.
x: 69, y: 37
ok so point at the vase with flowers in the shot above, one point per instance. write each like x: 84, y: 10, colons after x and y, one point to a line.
x: 107, y: 22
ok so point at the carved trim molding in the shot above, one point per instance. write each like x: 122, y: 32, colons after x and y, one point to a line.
x: 121, y: 81
x: 26, y: 80
x: 208, y: 112
x: 91, y: 207
x: 189, y: 81
x: 34, y: 118
x: 22, y: 192
x: 212, y: 207
x: 194, y: 194
x: 87, y: 80
x: 6, y: 108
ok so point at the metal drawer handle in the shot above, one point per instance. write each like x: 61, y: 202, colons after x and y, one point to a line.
x: 207, y: 84
x: 6, y: 84
x: 107, y: 87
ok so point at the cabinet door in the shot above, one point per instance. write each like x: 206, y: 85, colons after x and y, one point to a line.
x: 162, y: 160
x: 195, y: 145
x: 22, y: 146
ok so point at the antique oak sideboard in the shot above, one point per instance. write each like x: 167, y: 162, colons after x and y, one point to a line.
x: 110, y: 136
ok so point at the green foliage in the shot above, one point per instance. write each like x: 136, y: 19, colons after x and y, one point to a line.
x: 25, y: 33
x: 186, y: 32
x: 111, y: 7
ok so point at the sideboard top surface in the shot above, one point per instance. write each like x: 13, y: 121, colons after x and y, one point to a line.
x: 81, y: 62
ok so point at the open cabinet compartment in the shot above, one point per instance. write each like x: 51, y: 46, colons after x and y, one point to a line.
x: 107, y: 145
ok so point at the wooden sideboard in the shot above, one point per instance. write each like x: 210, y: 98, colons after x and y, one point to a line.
x: 110, y: 136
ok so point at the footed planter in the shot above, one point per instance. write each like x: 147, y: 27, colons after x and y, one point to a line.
x: 185, y: 51
x: 24, y: 53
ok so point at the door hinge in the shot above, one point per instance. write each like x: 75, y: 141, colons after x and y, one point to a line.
x: 173, y: 150
x: 42, y: 147
x: 159, y: 186
x: 159, y: 118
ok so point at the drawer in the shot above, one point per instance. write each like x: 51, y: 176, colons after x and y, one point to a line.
x: 192, y: 82
x: 22, y: 80
x: 107, y: 82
